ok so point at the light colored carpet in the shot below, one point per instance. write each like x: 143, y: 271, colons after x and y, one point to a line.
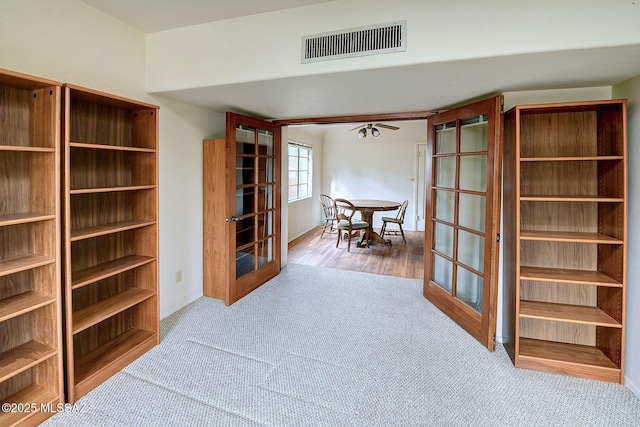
x: 324, y: 347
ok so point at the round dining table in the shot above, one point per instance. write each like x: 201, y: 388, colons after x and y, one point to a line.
x: 367, y: 207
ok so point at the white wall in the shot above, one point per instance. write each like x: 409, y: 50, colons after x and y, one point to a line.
x: 68, y: 41
x: 631, y: 90
x: 463, y: 29
x: 305, y: 214
x: 383, y: 168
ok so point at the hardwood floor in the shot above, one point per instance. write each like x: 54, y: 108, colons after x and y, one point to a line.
x: 400, y: 260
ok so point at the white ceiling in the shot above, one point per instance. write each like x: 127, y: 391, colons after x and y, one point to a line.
x: 421, y: 87
x: 151, y: 16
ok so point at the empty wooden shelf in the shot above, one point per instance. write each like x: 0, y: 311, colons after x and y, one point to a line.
x: 110, y: 234
x: 30, y: 291
x: 565, y: 239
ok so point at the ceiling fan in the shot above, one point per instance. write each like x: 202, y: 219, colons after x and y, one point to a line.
x: 373, y: 128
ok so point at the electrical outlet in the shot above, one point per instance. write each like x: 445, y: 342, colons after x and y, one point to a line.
x: 178, y: 276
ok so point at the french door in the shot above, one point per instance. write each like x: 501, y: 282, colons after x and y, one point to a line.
x: 462, y: 237
x: 253, y: 205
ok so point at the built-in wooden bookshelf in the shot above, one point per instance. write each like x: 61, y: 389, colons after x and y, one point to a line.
x: 565, y: 238
x: 111, y: 234
x: 31, y: 374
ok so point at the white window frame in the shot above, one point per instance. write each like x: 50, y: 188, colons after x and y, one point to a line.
x: 309, y: 172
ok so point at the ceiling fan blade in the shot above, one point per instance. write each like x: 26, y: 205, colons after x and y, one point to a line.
x: 382, y: 125
x: 356, y: 128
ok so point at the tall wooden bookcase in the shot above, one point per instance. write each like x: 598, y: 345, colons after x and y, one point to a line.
x: 30, y: 292
x: 110, y: 234
x: 566, y: 229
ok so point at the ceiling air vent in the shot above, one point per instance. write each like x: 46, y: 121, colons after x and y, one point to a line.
x: 370, y: 40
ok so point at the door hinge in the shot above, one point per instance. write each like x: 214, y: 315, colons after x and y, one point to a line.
x: 498, y: 238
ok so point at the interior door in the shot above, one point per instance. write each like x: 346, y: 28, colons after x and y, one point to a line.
x: 463, y: 215
x: 253, y: 208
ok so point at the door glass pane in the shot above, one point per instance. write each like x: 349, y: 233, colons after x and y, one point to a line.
x: 469, y: 288
x: 265, y: 142
x: 445, y: 172
x: 265, y: 225
x: 245, y: 261
x: 473, y: 173
x: 473, y: 211
x: 445, y: 201
x: 245, y: 140
x: 245, y: 201
x: 245, y: 168
x: 442, y: 273
x: 446, y: 138
x: 443, y: 239
x: 471, y: 250
x: 265, y: 252
x: 244, y: 231
x: 473, y: 134
x: 265, y: 169
x: 265, y: 197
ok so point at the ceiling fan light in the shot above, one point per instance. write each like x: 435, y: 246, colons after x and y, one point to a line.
x: 375, y: 132
x: 362, y: 133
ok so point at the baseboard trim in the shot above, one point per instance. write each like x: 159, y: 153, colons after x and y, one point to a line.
x: 631, y: 386
x: 301, y: 233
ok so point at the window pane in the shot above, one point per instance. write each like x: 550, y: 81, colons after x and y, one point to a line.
x: 293, y: 150
x: 473, y: 173
x: 442, y: 273
x: 445, y: 203
x: 293, y: 178
x: 472, y: 211
x: 293, y: 163
x: 469, y: 288
x: 303, y: 191
x: 473, y: 134
x: 265, y: 142
x: 471, y: 250
x: 445, y: 172
x: 446, y: 138
x: 443, y: 239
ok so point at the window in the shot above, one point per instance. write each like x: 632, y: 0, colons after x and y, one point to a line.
x: 299, y: 171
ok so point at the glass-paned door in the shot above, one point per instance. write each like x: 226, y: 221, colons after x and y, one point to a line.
x: 463, y: 215
x: 253, y: 148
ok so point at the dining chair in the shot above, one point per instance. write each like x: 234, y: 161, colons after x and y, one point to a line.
x: 344, y: 215
x: 329, y: 212
x: 399, y: 219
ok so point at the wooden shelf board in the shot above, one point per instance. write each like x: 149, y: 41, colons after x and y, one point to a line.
x: 23, y: 357
x: 102, y: 310
x: 101, y: 230
x: 111, y: 147
x: 100, y: 362
x: 107, y: 269
x: 111, y: 189
x: 567, y: 313
x: 561, y: 275
x: 574, y: 354
x: 24, y: 262
x: 23, y: 303
x: 570, y: 158
x: 28, y: 149
x: 24, y: 218
x: 565, y: 198
x: 568, y: 236
x: 33, y: 394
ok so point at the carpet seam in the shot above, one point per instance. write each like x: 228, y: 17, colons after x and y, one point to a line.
x: 230, y: 352
x: 233, y: 413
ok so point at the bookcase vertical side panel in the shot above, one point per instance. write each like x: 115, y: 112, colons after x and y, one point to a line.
x: 510, y: 264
